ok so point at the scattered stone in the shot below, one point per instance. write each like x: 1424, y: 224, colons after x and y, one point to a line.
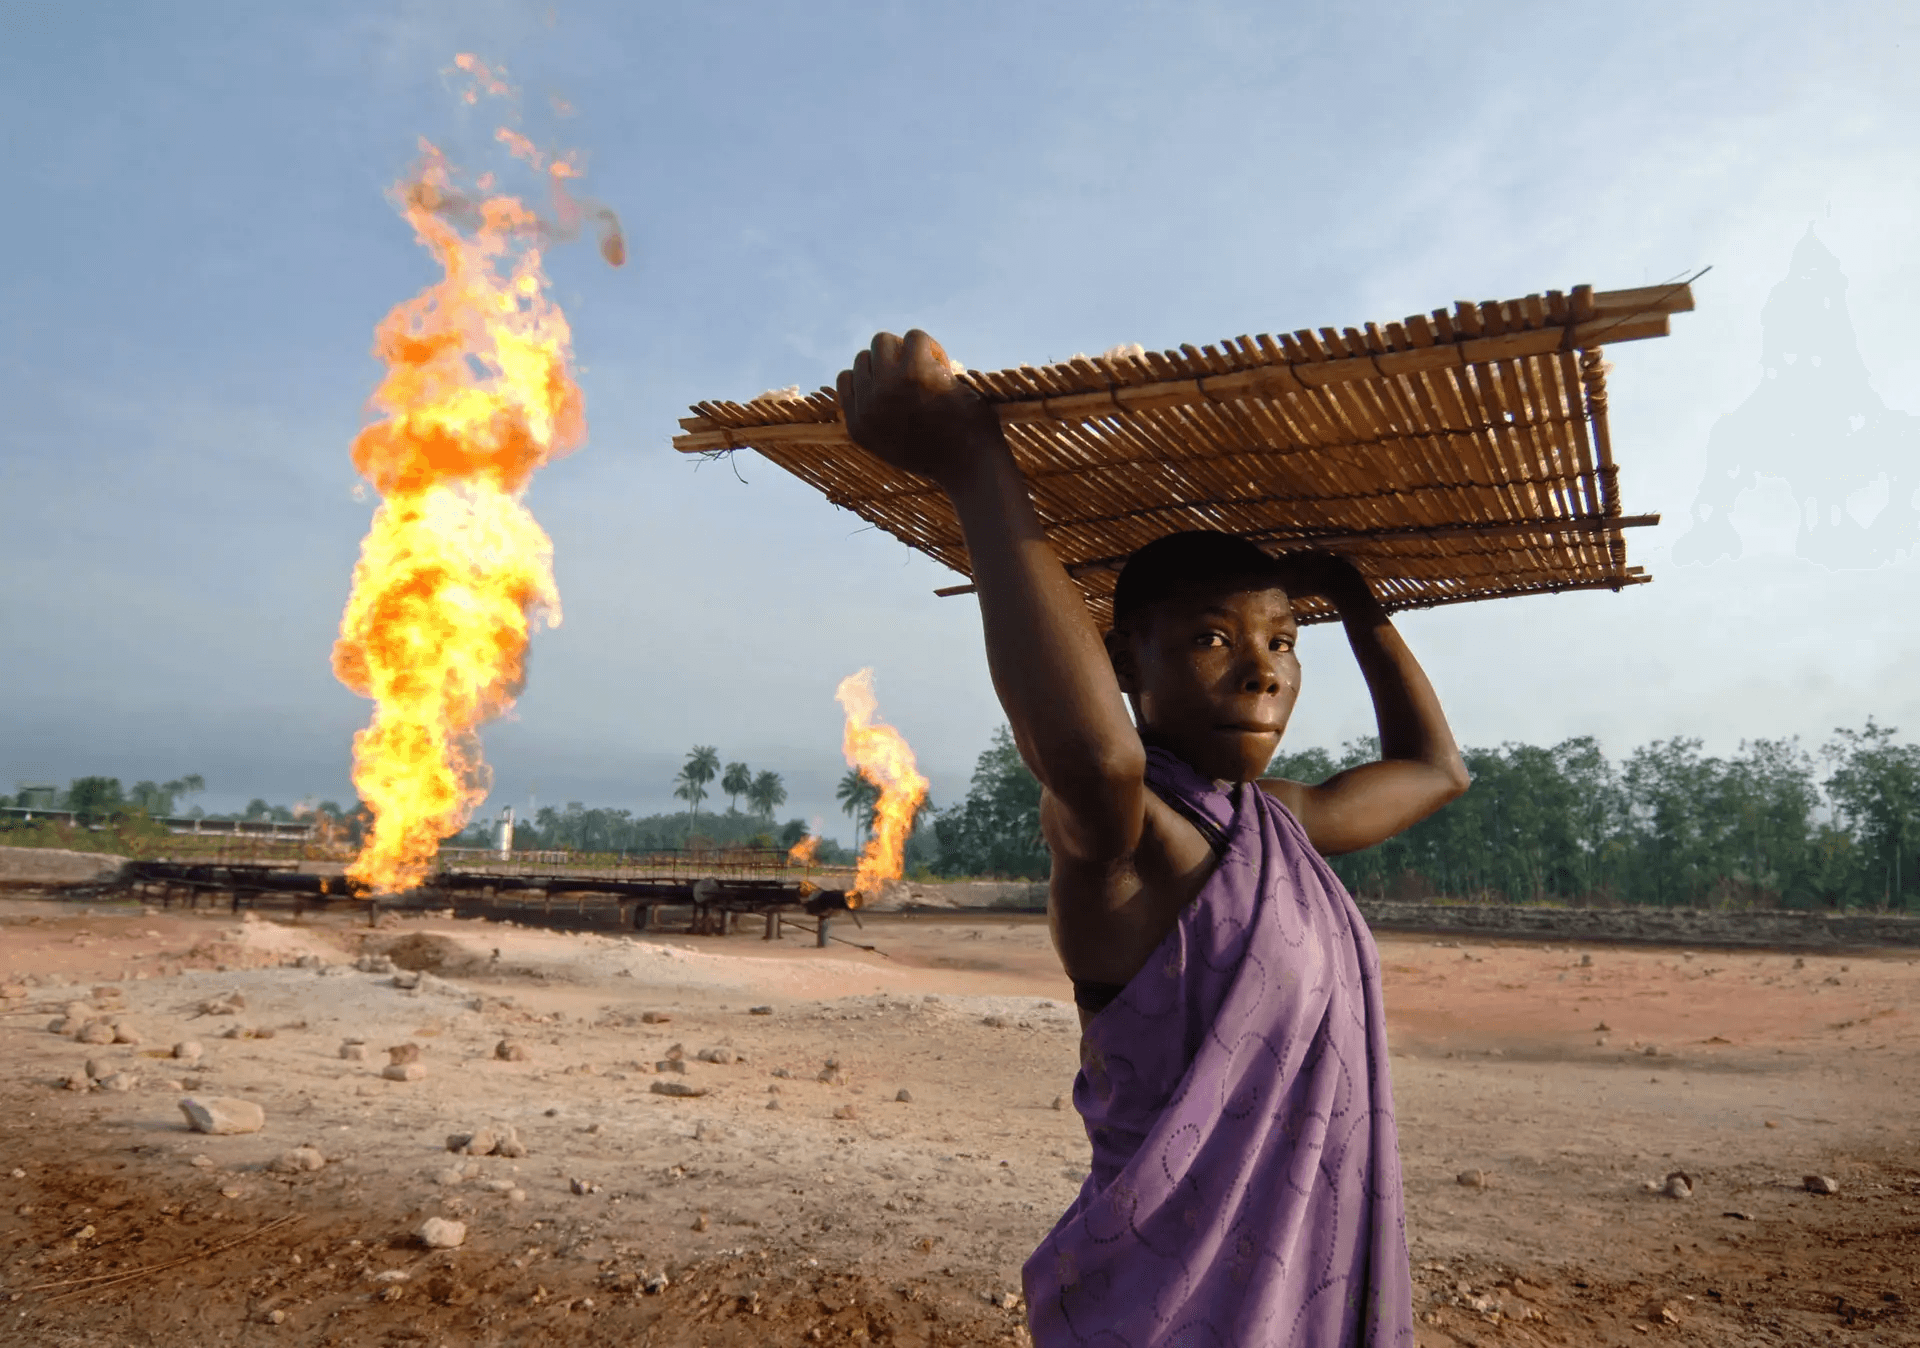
x: 682, y: 1089
x: 773, y: 1102
x: 500, y: 1139
x: 702, y: 1222
x: 655, y: 1018
x: 223, y: 1115
x: 512, y: 1050
x: 228, y: 1004
x: 722, y: 1055
x: 353, y: 1050
x: 449, y: 1177
x: 708, y: 1131
x: 1820, y: 1184
x: 95, y: 1032
x: 904, y: 1096
x: 846, y: 1111
x: 401, y: 1054
x: 299, y: 1161
x: 1663, y: 1313
x: 276, y: 1316
x: 752, y: 1010
x: 583, y: 1186
x: 125, y: 1034
x: 1473, y: 1179
x: 188, y: 1050
x: 13, y: 992
x: 374, y: 964
x: 1586, y: 961
x: 63, y: 1025
x: 404, y: 1071
x: 119, y: 1081
x: 498, y: 1186
x: 1739, y: 1216
x: 96, y: 1068
x: 1799, y: 963
x: 1060, y: 1102
x: 1651, y: 1050
x: 78, y: 1081
x: 671, y: 1065
x: 201, y: 1163
x: 782, y: 1072
x: 407, y: 979
x: 79, y: 1012
x: 437, y: 1233
x: 1602, y: 1028
x: 831, y: 1074
x: 995, y: 1022
x: 657, y: 1284
x: 1679, y: 1184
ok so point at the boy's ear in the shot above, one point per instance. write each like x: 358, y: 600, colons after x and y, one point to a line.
x: 1125, y: 669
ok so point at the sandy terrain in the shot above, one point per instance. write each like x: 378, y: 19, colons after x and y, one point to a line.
x: 848, y: 1215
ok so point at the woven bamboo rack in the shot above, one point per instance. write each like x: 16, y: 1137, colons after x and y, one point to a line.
x: 1454, y: 456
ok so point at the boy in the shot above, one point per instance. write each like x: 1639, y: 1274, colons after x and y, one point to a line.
x: 1245, y: 1186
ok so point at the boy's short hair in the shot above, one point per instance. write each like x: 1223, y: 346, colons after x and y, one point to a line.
x: 1183, y: 562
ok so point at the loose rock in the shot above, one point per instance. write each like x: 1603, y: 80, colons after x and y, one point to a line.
x: 1060, y: 1102
x: 299, y: 1161
x: 583, y: 1186
x: 752, y: 1010
x: 404, y: 1071
x: 353, y: 1050
x: 407, y: 979
x: 96, y: 1068
x: 228, y: 1004
x: 437, y: 1233
x: 403, y: 1053
x: 904, y: 1096
x: 654, y: 1018
x: 119, y: 1081
x: 223, y: 1115
x: 846, y: 1111
x: 188, y: 1050
x: 1678, y: 1185
x: 682, y: 1089
x: 125, y: 1034
x: 95, y: 1032
x: 1473, y: 1179
x: 722, y: 1056
x: 512, y: 1050
x: 1820, y: 1184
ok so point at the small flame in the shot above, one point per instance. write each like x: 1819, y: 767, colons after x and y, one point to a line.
x: 803, y: 851
x: 883, y: 758
x: 455, y: 572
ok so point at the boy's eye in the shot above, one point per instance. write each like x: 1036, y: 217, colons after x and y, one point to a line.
x: 1209, y: 639
x: 1280, y: 644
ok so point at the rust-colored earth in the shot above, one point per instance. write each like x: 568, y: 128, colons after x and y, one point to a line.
x: 848, y: 1215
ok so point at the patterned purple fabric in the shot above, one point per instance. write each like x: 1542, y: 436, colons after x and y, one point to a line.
x: 1246, y: 1172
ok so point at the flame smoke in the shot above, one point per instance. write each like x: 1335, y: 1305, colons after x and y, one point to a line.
x: 454, y: 572
x: 881, y: 755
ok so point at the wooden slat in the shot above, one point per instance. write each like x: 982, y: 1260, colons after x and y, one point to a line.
x: 1455, y: 456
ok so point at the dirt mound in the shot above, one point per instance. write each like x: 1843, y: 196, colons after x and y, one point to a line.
x: 34, y: 867
x: 429, y: 952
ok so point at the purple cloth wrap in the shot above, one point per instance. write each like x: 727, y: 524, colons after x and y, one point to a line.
x: 1246, y: 1170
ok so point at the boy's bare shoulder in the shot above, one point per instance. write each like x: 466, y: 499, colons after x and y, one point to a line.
x: 1109, y: 917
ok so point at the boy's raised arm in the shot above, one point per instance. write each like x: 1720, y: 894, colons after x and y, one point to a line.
x: 1420, y: 768
x: 904, y: 406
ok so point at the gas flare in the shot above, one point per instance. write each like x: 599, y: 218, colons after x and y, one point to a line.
x: 881, y: 755
x: 803, y: 852
x: 455, y: 572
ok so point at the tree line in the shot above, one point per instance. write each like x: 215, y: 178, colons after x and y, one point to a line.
x: 1773, y: 825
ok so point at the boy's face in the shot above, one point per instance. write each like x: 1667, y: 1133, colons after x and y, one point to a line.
x: 1213, y: 676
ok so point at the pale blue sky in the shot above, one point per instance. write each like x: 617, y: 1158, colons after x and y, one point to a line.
x: 199, y: 247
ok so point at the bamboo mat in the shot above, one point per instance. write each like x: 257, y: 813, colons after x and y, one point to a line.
x: 1454, y: 456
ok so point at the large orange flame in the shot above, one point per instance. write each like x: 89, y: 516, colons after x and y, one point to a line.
x: 803, y: 852
x: 455, y: 572
x: 881, y: 754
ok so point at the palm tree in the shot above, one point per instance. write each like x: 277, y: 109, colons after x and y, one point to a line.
x: 857, y: 797
x: 736, y: 782
x: 699, y: 769
x: 767, y: 794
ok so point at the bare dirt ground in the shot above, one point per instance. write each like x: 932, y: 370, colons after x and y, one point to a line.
x: 784, y: 1208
